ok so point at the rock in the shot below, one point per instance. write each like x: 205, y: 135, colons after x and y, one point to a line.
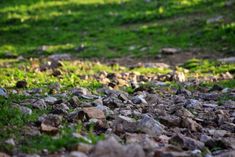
x: 170, y: 51
x: 77, y: 154
x: 106, y: 110
x: 230, y: 153
x: 143, y: 140
x: 215, y: 143
x: 50, y: 123
x: 49, y: 129
x: 139, y: 99
x: 39, y: 104
x: 111, y: 148
x: 210, y: 105
x: 171, y: 154
x: 84, y: 148
x: 59, y: 57
x: 4, y: 154
x: 193, y: 103
x: 216, y: 19
x: 209, y: 96
x: 10, y: 142
x: 3, y: 92
x: 54, y: 87
x: 21, y: 84
x: 179, y: 76
x: 218, y: 133
x: 216, y: 88
x: 31, y: 131
x: 124, y: 124
x: 50, y: 100
x: 93, y: 112
x: 227, y: 60
x: 183, y: 112
x: 134, y: 150
x: 83, y: 93
x: 170, y: 120
x: 186, y: 142
x: 112, y: 102
x: 204, y: 138
x: 183, y: 91
x: 150, y: 126
x: 191, y: 124
x: 74, y: 101
x: 25, y: 110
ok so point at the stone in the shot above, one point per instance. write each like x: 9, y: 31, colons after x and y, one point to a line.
x: 170, y: 120
x: 179, y: 76
x: 106, y: 110
x: 25, y: 110
x: 210, y: 105
x: 39, y: 104
x: 77, y: 154
x: 50, y: 123
x: 139, y: 99
x: 124, y: 124
x: 216, y: 19
x: 60, y: 57
x: 230, y: 153
x: 218, y: 133
x: 209, y: 96
x: 186, y: 142
x: 50, y: 100
x: 3, y: 92
x: 93, y: 112
x: 54, y: 87
x: 111, y: 148
x: 10, y: 141
x: 21, y: 84
x: 134, y: 150
x: 150, y: 126
x: 74, y: 101
x: 84, y: 148
x: 171, y: 154
x: 227, y: 60
x: 112, y: 102
x: 193, y: 103
x: 170, y: 51
x: 191, y: 124
x: 4, y: 154
x: 215, y: 143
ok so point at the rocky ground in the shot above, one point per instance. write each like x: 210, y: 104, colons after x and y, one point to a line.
x: 131, y: 114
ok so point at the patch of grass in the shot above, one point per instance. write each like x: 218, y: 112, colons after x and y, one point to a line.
x: 208, y: 66
x: 64, y: 139
x: 110, y: 28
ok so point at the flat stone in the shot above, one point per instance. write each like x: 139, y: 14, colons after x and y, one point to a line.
x: 93, y: 112
x: 50, y: 100
x: 191, y: 124
x: 186, y: 142
x: 124, y: 124
x: 170, y: 120
x: 150, y: 126
x: 227, y: 60
x: 59, y: 57
x: 4, y: 154
x: 77, y: 154
x: 111, y: 148
x: 170, y: 51
x: 39, y: 104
